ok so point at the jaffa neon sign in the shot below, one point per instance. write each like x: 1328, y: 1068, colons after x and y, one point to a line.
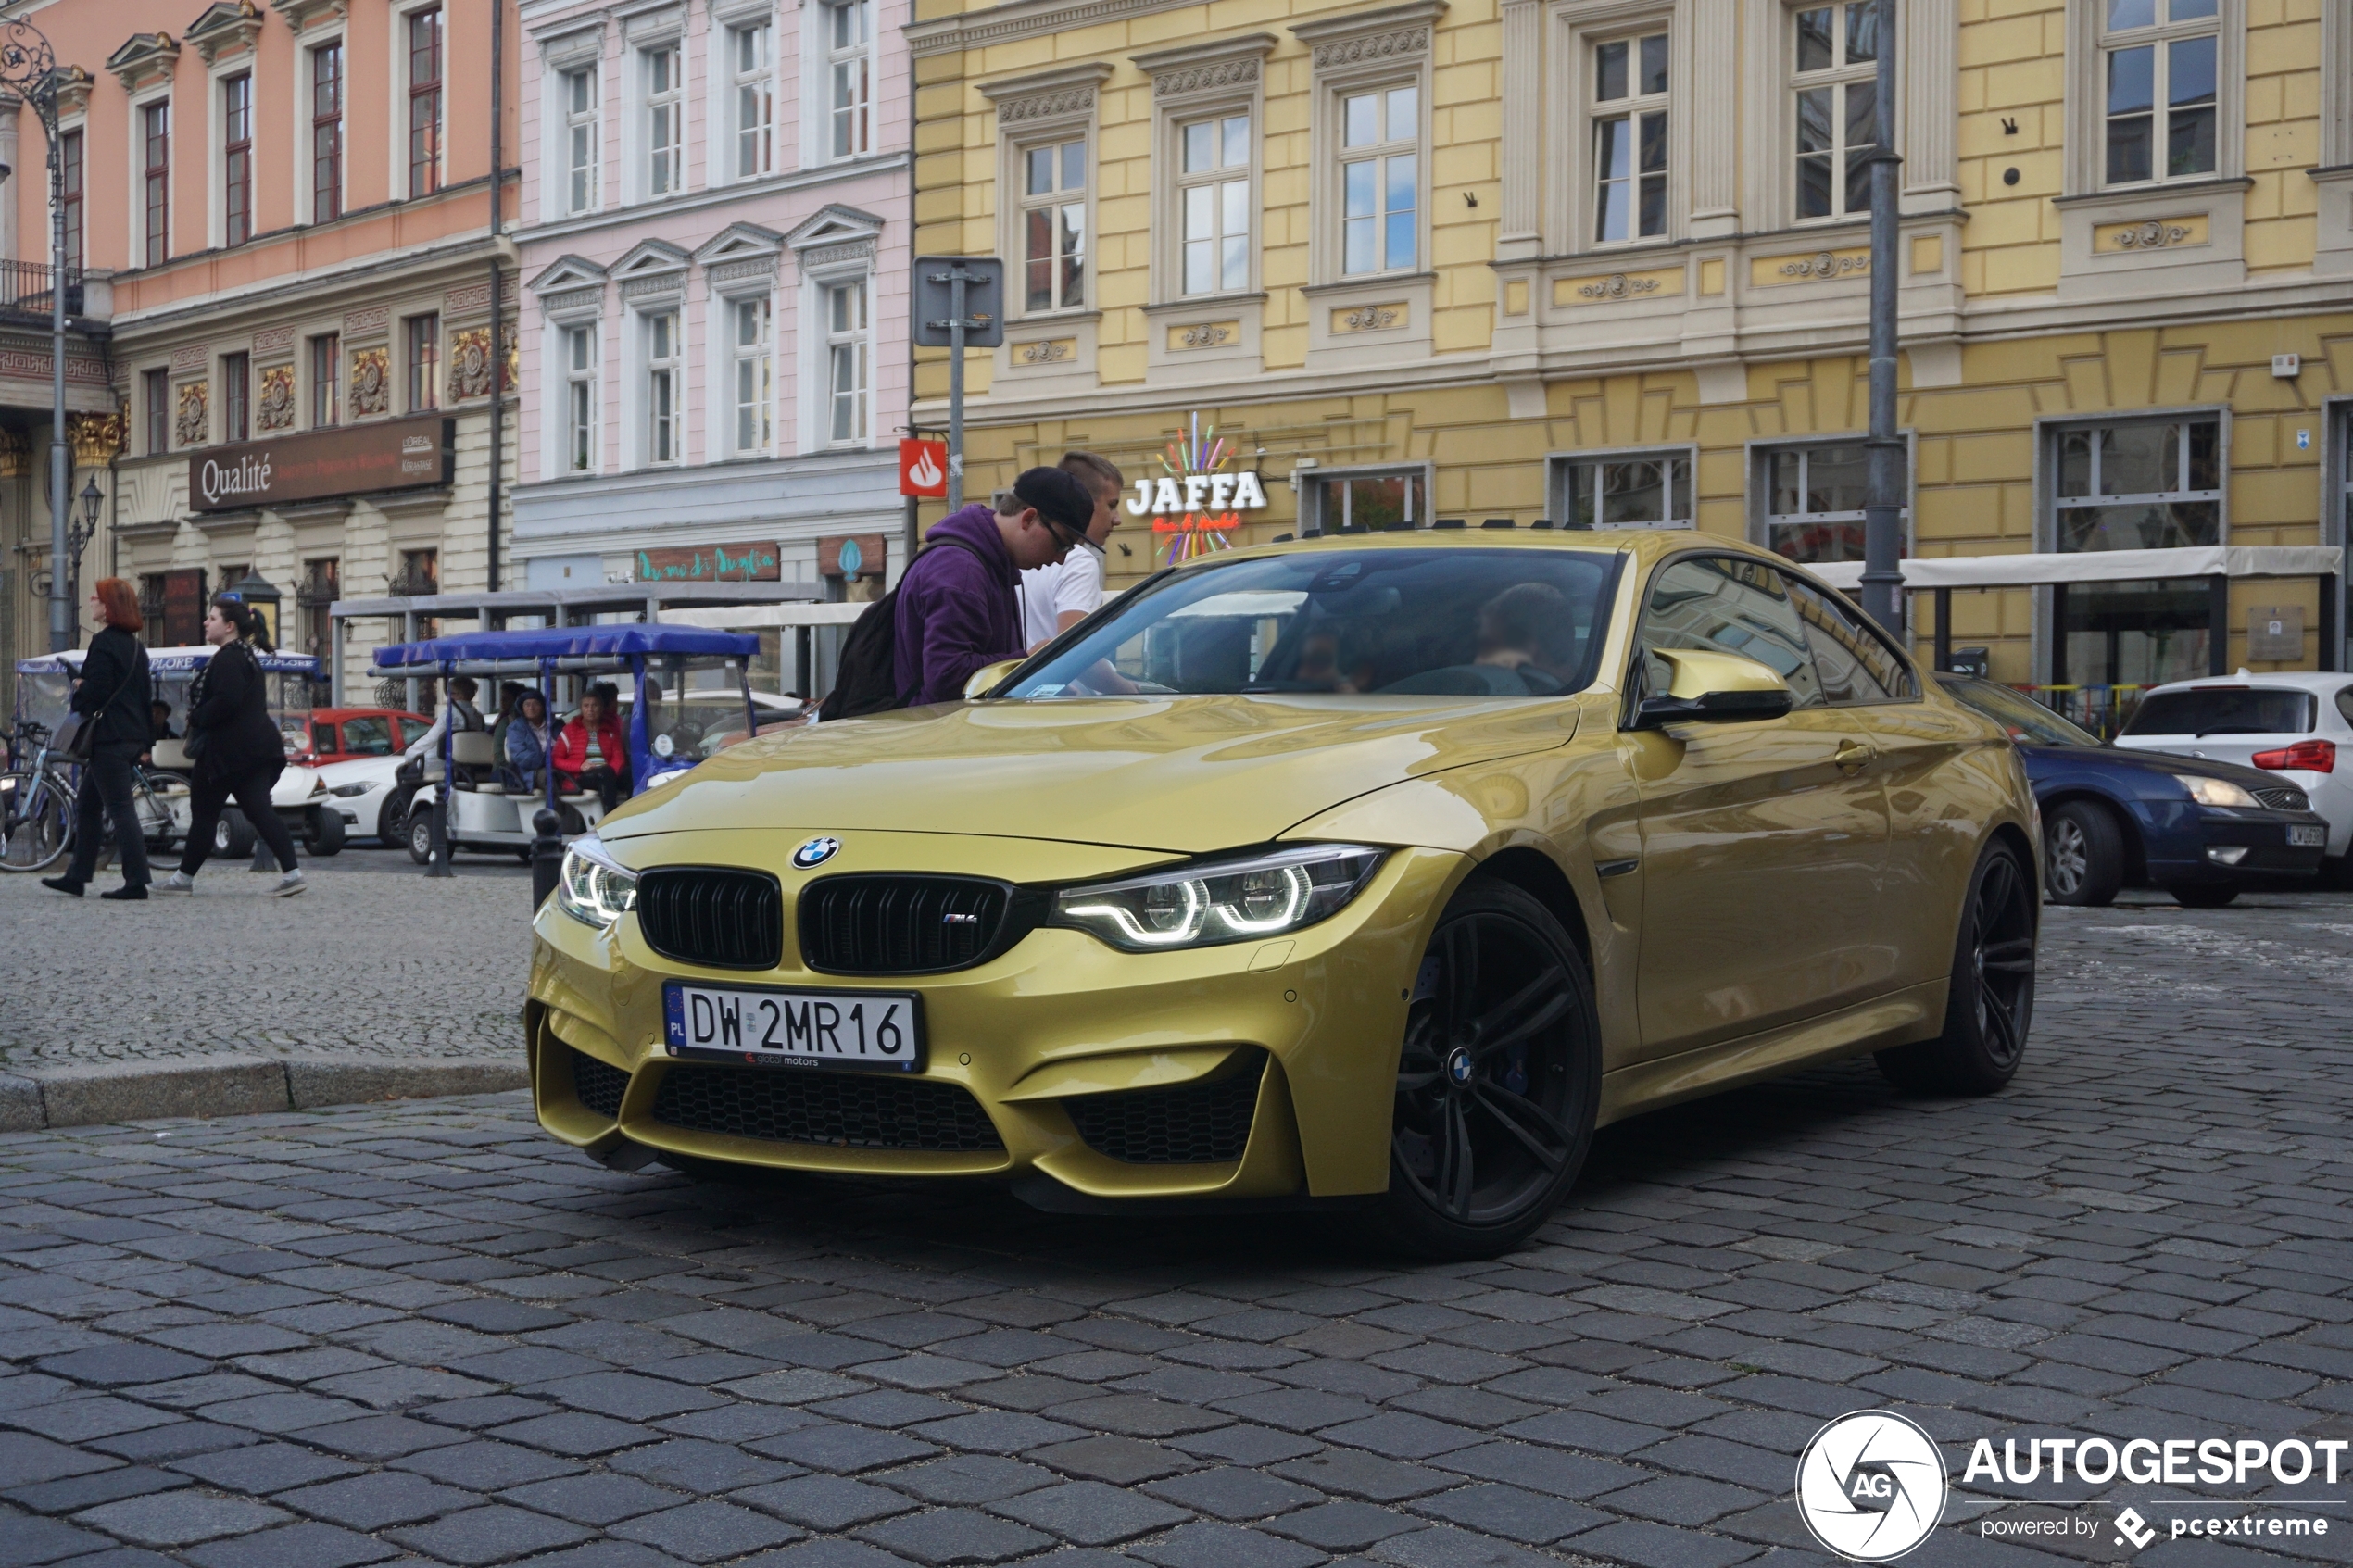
x: 1198, y: 497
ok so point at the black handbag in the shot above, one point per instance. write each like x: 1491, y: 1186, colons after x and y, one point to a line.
x: 77, y: 735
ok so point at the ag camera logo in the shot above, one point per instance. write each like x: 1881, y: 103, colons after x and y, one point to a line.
x: 1871, y: 1485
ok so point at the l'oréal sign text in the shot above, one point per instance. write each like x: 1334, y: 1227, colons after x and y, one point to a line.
x: 317, y: 465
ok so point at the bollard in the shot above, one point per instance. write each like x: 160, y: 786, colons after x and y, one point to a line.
x: 437, y: 864
x: 547, y: 855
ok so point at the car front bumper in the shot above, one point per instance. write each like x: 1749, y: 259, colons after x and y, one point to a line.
x: 1057, y: 1018
x: 2179, y: 837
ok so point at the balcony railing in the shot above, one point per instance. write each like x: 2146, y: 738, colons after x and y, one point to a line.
x: 25, y: 285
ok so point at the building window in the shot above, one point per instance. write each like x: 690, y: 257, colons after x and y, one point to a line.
x: 69, y: 194
x: 237, y: 158
x: 661, y: 387
x: 755, y: 358
x: 580, y: 398
x: 1053, y: 217
x: 236, y: 397
x: 2146, y: 486
x: 155, y: 136
x: 1355, y: 502
x: 1630, y: 138
x: 1213, y: 182
x: 424, y: 362
x: 155, y: 394
x: 1814, y: 502
x: 326, y: 381
x: 663, y: 112
x: 326, y: 132
x: 846, y: 361
x: 321, y: 585
x: 1837, y: 103
x: 424, y: 101
x: 581, y: 133
x: 419, y: 573
x: 2157, y: 61
x: 849, y: 70
x: 1631, y: 490
x: 751, y: 52
x: 1381, y: 180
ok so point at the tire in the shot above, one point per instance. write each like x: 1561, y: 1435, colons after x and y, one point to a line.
x: 2202, y: 895
x: 322, y: 832
x: 1991, y: 1004
x: 38, y: 830
x: 2082, y: 855
x: 1497, y: 1080
x: 420, y: 835
x: 233, y: 837
x: 392, y: 814
x: 2337, y: 874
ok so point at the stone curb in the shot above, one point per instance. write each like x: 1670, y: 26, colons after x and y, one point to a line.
x: 241, y: 1086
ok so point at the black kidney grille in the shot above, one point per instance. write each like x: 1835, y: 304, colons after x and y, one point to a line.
x: 843, y: 1109
x: 2281, y: 797
x: 597, y: 1086
x: 900, y: 924
x: 1191, y: 1124
x: 715, y: 916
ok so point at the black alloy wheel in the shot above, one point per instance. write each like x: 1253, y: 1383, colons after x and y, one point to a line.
x: 1991, y: 1004
x: 1497, y: 1081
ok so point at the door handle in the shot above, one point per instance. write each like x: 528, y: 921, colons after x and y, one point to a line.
x: 1852, y: 756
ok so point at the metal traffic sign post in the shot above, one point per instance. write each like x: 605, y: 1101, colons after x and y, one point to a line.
x: 959, y: 305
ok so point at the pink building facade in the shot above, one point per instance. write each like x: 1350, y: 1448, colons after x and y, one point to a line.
x: 714, y: 243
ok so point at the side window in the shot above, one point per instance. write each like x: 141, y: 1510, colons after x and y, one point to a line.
x: 2345, y: 703
x: 1724, y: 604
x: 1855, y: 666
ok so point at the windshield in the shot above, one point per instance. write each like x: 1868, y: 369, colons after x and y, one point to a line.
x: 2024, y: 718
x: 1387, y: 622
x: 370, y: 736
x: 2225, y: 710
x: 693, y: 706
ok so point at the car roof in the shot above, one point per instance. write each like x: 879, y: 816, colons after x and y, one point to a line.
x: 2323, y: 681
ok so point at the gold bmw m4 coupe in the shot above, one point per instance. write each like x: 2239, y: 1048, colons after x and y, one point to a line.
x: 1369, y: 871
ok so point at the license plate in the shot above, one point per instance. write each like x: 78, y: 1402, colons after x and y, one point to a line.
x: 875, y: 1030
x: 2302, y: 837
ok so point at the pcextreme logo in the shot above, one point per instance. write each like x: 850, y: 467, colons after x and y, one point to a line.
x: 1871, y: 1485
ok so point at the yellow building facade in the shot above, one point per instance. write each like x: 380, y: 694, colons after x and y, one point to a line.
x: 1606, y: 262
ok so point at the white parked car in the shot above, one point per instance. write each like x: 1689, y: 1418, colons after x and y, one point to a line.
x: 360, y: 789
x: 2295, y: 724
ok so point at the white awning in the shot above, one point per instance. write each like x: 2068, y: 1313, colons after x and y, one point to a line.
x: 2101, y: 566
x: 750, y: 618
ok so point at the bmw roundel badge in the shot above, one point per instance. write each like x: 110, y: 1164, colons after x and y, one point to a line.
x: 816, y: 852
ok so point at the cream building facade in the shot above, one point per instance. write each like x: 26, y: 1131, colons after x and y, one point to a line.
x: 1606, y: 262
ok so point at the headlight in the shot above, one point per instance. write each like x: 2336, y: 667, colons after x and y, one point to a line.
x: 318, y: 786
x: 344, y: 791
x: 592, y: 890
x: 1199, y: 905
x: 2216, y: 792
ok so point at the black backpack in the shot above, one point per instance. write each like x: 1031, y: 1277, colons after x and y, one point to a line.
x: 866, y: 676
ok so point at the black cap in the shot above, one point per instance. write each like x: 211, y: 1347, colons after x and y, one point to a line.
x: 1058, y: 496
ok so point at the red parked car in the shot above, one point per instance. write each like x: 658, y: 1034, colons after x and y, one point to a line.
x: 339, y: 735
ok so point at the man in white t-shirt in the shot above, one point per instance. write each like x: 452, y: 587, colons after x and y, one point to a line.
x: 1056, y: 598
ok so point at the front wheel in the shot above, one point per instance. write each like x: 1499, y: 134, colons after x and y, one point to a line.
x: 2205, y: 896
x: 233, y: 837
x: 322, y: 831
x: 420, y: 835
x: 2082, y: 855
x: 36, y: 822
x: 1497, y: 1082
x: 1991, y: 1000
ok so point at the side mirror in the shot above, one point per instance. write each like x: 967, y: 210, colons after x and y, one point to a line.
x: 1714, y: 688
x: 988, y: 675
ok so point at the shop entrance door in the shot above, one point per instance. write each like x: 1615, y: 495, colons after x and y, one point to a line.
x: 2133, y: 633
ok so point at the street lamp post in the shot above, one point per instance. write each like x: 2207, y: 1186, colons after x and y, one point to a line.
x: 1884, y: 497
x: 79, y: 532
x: 29, y: 69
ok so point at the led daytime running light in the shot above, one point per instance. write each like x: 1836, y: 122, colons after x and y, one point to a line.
x: 593, y: 889
x: 1203, y: 905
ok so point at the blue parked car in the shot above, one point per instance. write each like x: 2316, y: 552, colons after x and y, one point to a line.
x: 2203, y: 831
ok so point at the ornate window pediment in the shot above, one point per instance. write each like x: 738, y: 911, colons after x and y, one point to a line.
x: 566, y: 273
x: 144, y: 60
x: 739, y: 241
x: 833, y: 235
x: 225, y: 27
x: 651, y: 268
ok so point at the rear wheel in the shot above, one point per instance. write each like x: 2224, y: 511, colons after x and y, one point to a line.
x: 2082, y: 855
x: 2196, y: 896
x: 36, y: 821
x: 233, y: 837
x: 1992, y: 1001
x: 323, y: 833
x: 1497, y: 1082
x: 420, y: 835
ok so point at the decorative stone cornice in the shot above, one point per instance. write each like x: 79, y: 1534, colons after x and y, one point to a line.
x: 225, y: 27
x: 145, y: 60
x: 303, y: 14
x: 1200, y: 67
x: 1023, y: 18
x: 74, y: 91
x: 1388, y: 32
x: 825, y: 256
x: 579, y: 302
x: 1047, y: 95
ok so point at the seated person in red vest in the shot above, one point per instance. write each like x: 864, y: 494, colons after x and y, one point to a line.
x: 591, y: 754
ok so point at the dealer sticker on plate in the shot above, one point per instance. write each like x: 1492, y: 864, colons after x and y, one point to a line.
x: 771, y: 1026
x: 2302, y: 835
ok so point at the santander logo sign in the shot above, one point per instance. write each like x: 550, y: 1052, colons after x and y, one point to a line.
x: 923, y: 467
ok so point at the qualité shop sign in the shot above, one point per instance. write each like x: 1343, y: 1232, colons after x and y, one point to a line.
x: 349, y: 460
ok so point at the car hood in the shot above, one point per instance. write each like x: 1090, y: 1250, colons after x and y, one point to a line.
x: 2152, y: 762
x: 360, y: 769
x: 1183, y: 774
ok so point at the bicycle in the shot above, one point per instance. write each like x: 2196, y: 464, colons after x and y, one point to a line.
x: 36, y: 803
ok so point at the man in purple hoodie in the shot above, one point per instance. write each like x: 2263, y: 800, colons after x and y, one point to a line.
x: 956, y: 608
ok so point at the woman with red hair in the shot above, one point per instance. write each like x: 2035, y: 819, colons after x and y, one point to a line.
x: 114, y: 694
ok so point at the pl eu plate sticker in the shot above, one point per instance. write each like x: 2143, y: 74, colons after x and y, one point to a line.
x: 673, y: 1017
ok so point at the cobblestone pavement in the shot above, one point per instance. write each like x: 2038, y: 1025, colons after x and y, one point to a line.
x: 365, y: 964
x: 426, y: 1333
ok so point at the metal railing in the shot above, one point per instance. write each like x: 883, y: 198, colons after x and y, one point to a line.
x: 25, y: 285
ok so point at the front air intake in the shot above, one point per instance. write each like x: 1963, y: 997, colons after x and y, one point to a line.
x: 1197, y: 1124
x: 839, y: 1109
x: 597, y: 1086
